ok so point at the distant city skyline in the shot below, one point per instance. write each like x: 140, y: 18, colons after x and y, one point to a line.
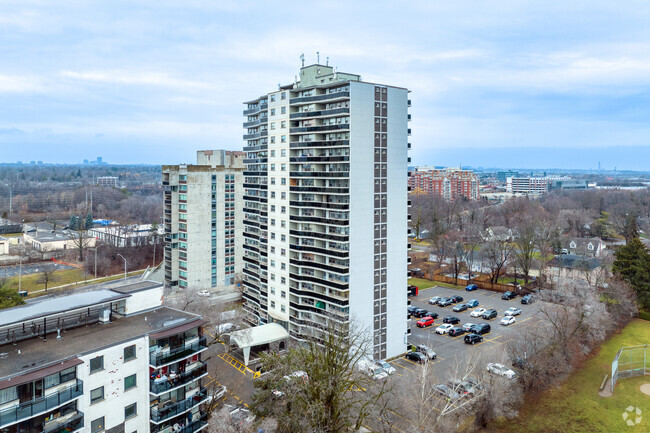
x: 502, y: 84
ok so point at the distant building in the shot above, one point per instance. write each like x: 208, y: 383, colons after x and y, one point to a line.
x: 126, y: 236
x: 527, y: 185
x: 4, y: 246
x: 573, y: 266
x: 7, y: 226
x: 48, y: 241
x: 107, y: 181
x: 109, y: 361
x: 589, y: 247
x: 204, y: 220
x: 568, y: 184
x: 503, y: 175
x: 450, y: 183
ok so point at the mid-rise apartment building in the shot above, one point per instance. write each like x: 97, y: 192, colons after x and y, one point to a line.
x: 450, y: 183
x: 107, y: 181
x: 527, y: 185
x: 325, y: 206
x: 102, y: 361
x: 203, y: 220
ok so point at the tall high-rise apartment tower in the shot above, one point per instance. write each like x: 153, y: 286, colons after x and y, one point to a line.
x: 203, y: 220
x: 325, y: 206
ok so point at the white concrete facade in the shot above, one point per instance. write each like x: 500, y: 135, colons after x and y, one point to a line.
x: 326, y: 207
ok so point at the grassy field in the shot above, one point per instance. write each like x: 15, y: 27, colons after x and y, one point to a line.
x: 425, y: 284
x: 575, y: 406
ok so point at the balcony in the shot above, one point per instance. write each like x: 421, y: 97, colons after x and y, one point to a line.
x: 166, y: 356
x: 173, y: 409
x: 198, y: 423
x: 31, y: 408
x: 61, y: 425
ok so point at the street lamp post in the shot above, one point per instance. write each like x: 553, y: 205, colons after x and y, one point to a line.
x: 95, y: 262
x: 124, y: 265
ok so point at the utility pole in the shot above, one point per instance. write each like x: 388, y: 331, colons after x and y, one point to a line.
x: 124, y: 265
x: 11, y: 201
x: 20, y: 272
x: 95, y: 262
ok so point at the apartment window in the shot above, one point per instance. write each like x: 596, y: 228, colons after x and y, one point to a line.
x: 273, y: 290
x: 272, y: 167
x: 283, y: 167
x: 283, y: 181
x: 272, y: 139
x: 272, y: 304
x: 283, y: 138
x: 97, y: 425
x: 283, y: 252
x: 273, y: 250
x: 283, y: 110
x: 272, y: 125
x: 283, y: 224
x: 273, y: 153
x: 129, y: 353
x: 283, y: 266
x: 272, y: 111
x: 283, y: 96
x: 283, y: 152
x: 272, y: 208
x: 283, y: 238
x: 283, y: 195
x: 272, y: 181
x: 283, y: 124
x: 272, y: 194
x: 272, y: 222
x: 182, y: 177
x: 272, y: 235
x: 129, y: 382
x: 130, y: 411
x: 283, y: 209
x: 96, y: 395
x: 283, y: 308
x: 272, y: 98
x: 96, y: 364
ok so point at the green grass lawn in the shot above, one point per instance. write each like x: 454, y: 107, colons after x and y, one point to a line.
x: 425, y: 284
x: 575, y: 406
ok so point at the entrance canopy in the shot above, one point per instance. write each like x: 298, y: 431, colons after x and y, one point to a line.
x: 257, y: 336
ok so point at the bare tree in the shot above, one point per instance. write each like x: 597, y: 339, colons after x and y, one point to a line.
x: 496, y: 253
x: 47, y: 276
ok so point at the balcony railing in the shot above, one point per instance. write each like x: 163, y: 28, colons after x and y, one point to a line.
x: 160, y: 415
x: 167, y: 356
x: 190, y: 428
x: 29, y: 409
x: 160, y: 386
x: 71, y: 424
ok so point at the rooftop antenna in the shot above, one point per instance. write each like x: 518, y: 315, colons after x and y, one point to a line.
x: 302, y: 59
x: 327, y: 61
x: 318, y: 57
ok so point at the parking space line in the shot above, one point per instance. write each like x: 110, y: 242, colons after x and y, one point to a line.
x: 405, y: 368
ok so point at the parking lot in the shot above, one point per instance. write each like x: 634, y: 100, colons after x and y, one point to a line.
x: 30, y: 268
x: 452, y: 350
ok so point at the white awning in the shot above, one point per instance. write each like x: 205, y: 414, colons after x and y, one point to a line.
x: 257, y: 336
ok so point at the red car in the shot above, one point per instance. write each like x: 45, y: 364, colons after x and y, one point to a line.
x: 424, y: 322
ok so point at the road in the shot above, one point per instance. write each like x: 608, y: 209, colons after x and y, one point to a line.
x: 30, y: 268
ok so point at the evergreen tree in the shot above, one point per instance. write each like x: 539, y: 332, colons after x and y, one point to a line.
x: 72, y: 225
x: 9, y: 297
x: 89, y: 222
x: 630, y: 230
x: 633, y: 265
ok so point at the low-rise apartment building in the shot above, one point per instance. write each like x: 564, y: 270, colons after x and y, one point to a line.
x: 450, y: 183
x: 102, y: 361
x: 127, y: 235
x: 107, y: 181
x: 203, y: 211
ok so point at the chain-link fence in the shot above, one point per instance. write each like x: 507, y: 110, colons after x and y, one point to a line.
x: 630, y: 362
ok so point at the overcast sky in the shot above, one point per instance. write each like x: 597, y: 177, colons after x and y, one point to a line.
x: 505, y: 83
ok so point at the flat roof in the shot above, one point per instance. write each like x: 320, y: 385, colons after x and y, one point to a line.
x: 136, y: 287
x: 36, y: 354
x: 57, y: 304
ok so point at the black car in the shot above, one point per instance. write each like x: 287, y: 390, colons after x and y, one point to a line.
x: 432, y: 314
x: 451, y: 319
x: 420, y: 312
x: 456, y: 299
x: 481, y: 328
x: 456, y: 331
x: 508, y: 296
x: 416, y: 357
x: 528, y: 299
x: 460, y: 307
x: 489, y: 314
x: 473, y: 338
x: 444, y: 302
x: 411, y: 309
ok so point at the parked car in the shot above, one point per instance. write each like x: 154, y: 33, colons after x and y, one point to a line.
x: 432, y: 314
x: 427, y: 351
x: 501, y: 370
x: 489, y: 314
x: 416, y: 357
x: 446, y: 392
x: 472, y: 303
x: 460, y: 307
x: 508, y: 296
x: 468, y: 326
x: 465, y: 388
x: 478, y: 312
x: 444, y: 302
x: 471, y: 287
x: 513, y: 311
x: 217, y: 393
x: 451, y: 319
x: 434, y: 300
x: 420, y: 312
x: 508, y: 320
x: 203, y: 293
x: 411, y: 310
x: 412, y: 290
x: 473, y: 338
x: 444, y: 328
x: 386, y: 366
x: 528, y: 299
x: 481, y: 328
x: 424, y: 322
x: 456, y: 299
x: 456, y: 331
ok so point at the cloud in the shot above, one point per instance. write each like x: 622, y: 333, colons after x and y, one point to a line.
x: 20, y: 84
x: 137, y: 78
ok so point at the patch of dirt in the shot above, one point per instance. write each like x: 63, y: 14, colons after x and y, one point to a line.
x: 607, y: 390
x: 645, y: 388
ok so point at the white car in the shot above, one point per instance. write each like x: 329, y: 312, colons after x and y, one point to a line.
x: 508, y: 320
x: 501, y: 370
x: 378, y: 373
x: 386, y: 366
x: 478, y: 312
x: 444, y: 328
x: 217, y: 393
x: 513, y: 311
x: 467, y: 326
x: 434, y: 300
x: 203, y: 293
